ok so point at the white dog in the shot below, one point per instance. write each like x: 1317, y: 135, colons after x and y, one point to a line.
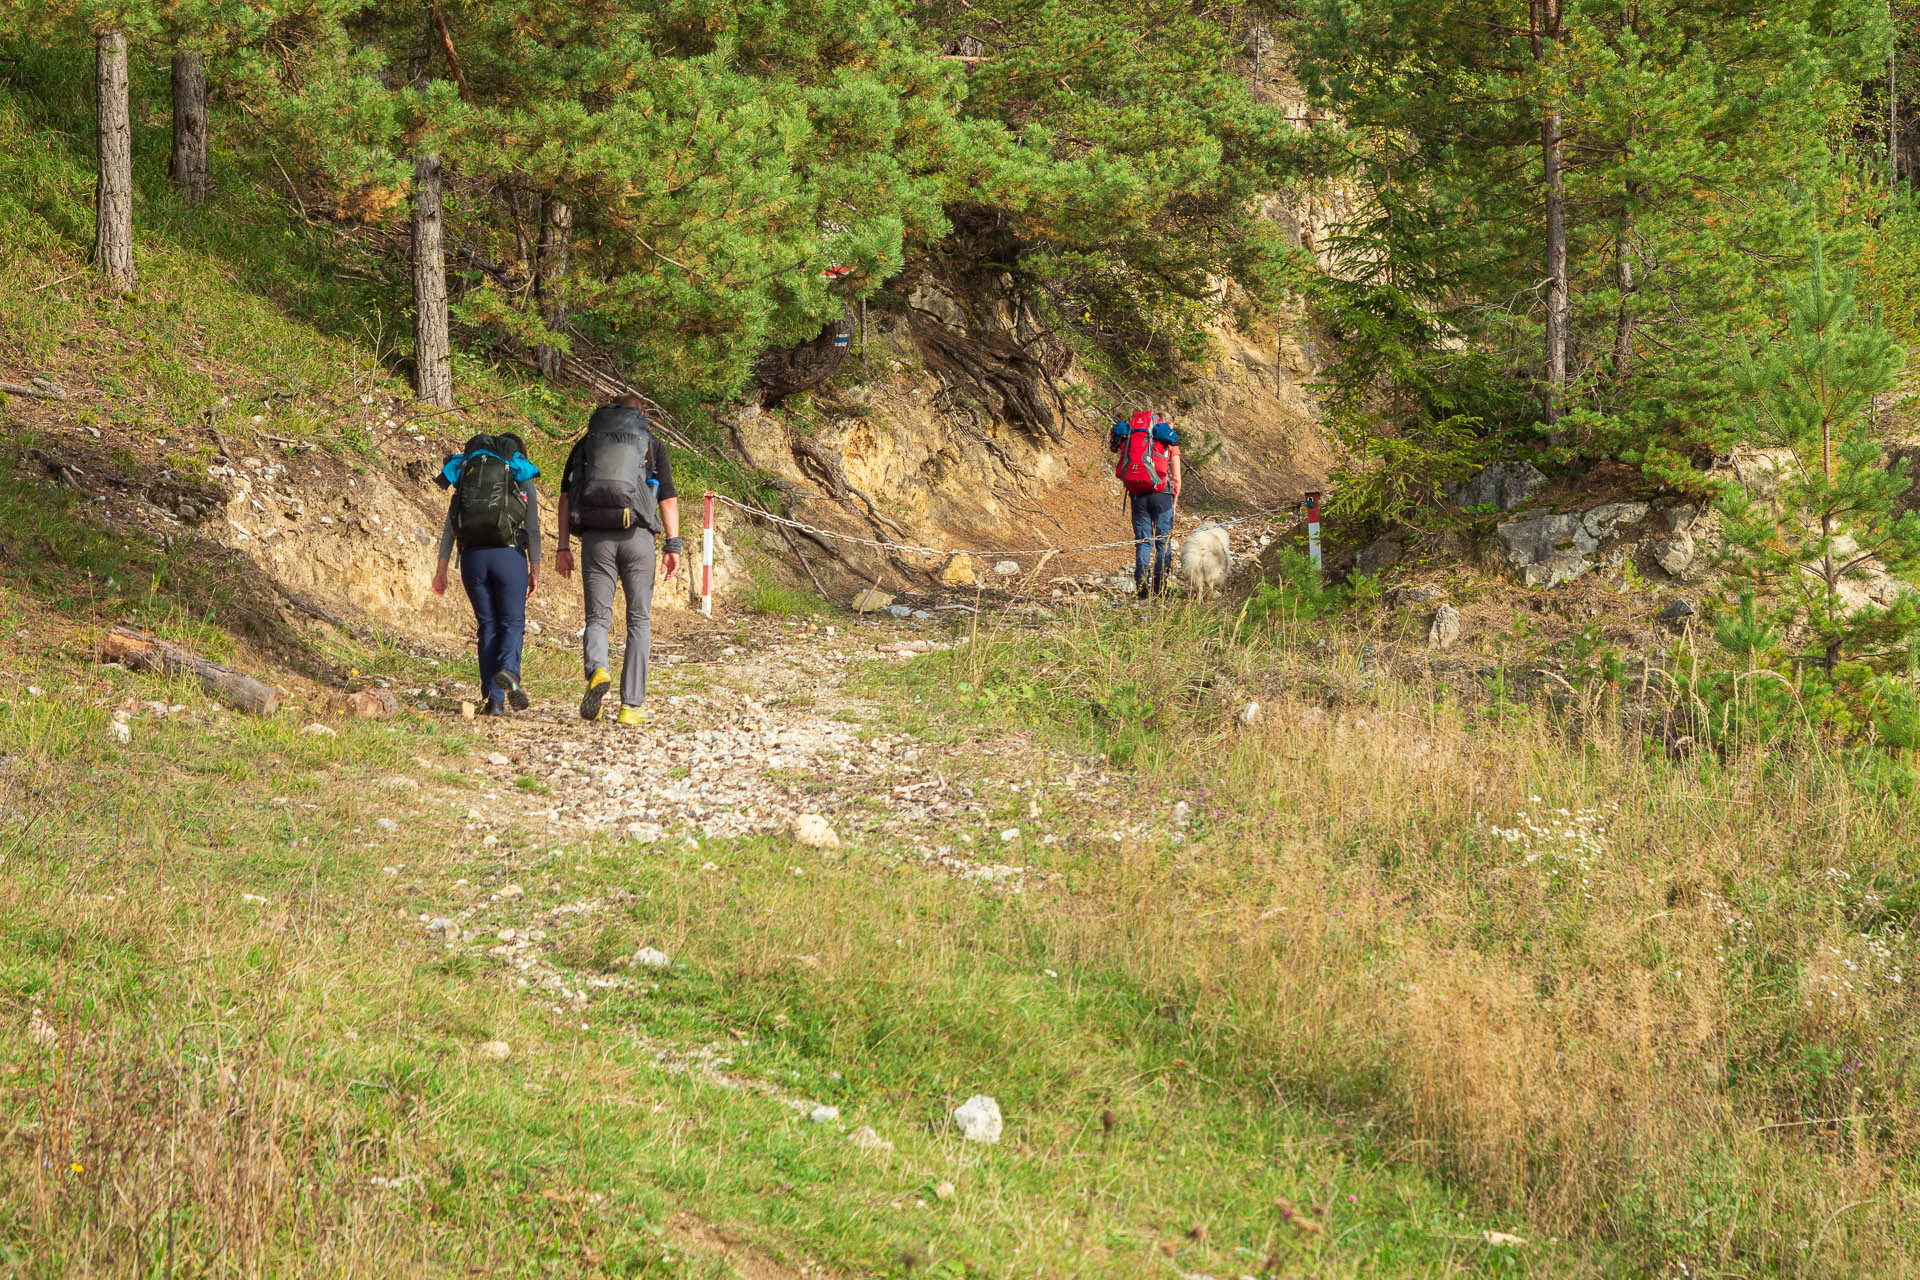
x: 1205, y: 559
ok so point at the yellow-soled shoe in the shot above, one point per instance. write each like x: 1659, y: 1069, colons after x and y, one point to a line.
x: 632, y: 715
x: 597, y: 685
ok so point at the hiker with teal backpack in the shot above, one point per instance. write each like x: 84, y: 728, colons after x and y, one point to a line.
x: 1149, y: 468
x: 494, y: 516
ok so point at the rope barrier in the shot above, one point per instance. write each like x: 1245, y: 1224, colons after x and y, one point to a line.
x: 888, y: 545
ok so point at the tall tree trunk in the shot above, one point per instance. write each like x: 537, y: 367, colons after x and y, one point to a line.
x: 1623, y: 283
x: 1559, y: 305
x: 550, y: 273
x: 113, y: 188
x: 432, y: 347
x: 1544, y: 18
x: 189, y: 166
x: 1623, y: 274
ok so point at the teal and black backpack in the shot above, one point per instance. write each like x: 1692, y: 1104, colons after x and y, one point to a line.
x: 488, y: 508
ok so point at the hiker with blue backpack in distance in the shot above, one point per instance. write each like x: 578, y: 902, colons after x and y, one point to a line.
x: 617, y: 494
x: 494, y: 515
x: 1149, y: 468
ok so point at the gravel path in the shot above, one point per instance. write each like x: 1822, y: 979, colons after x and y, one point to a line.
x: 746, y: 741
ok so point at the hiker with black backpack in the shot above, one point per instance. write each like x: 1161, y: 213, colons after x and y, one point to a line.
x: 617, y: 494
x: 1149, y: 468
x: 494, y: 515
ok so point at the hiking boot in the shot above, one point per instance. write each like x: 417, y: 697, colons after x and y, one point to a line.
x: 494, y: 707
x: 632, y: 715
x: 508, y: 683
x: 597, y: 686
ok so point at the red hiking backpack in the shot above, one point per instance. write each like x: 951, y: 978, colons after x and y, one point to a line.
x: 1146, y: 464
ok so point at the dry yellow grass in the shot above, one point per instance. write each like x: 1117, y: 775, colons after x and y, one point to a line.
x: 1659, y: 1002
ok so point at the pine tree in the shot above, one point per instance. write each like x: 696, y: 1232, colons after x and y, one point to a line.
x: 1115, y: 155
x: 189, y: 161
x: 1798, y: 556
x: 113, y: 186
x: 196, y: 30
x: 1688, y: 138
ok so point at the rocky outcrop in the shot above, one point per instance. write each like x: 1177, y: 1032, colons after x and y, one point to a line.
x: 1503, y: 486
x: 1545, y: 551
x: 362, y: 542
x: 965, y: 424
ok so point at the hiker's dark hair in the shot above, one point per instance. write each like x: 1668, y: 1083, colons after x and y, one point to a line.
x: 513, y: 442
x: 629, y: 401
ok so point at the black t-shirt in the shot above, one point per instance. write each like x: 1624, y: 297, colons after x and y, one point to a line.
x: 658, y: 468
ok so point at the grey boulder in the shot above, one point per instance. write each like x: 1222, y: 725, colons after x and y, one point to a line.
x: 1504, y: 485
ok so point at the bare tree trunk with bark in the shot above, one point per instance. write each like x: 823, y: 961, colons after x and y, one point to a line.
x: 1544, y: 20
x: 1623, y: 276
x: 113, y: 189
x: 189, y: 165
x: 432, y: 345
x: 550, y: 273
x: 1559, y: 303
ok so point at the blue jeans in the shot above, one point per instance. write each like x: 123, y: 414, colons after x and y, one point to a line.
x: 1152, y: 537
x: 496, y: 582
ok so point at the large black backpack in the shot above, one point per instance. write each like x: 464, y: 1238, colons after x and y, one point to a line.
x: 610, y: 489
x: 488, y: 507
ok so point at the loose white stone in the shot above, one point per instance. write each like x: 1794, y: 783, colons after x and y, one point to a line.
x: 1249, y: 713
x: 650, y: 958
x: 867, y: 1140
x: 494, y: 1050
x: 979, y: 1119
x: 824, y: 1115
x: 318, y: 730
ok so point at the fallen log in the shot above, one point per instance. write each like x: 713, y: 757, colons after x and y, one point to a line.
x: 37, y: 392
x: 141, y: 652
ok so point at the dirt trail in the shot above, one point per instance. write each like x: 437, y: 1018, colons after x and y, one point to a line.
x: 746, y: 738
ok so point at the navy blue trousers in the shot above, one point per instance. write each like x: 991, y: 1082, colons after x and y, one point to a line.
x: 496, y: 582
x: 1153, y: 538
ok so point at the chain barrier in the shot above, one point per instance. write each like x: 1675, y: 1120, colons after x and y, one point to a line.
x: 888, y: 545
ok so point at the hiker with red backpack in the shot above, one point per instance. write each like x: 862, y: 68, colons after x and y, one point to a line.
x: 494, y: 515
x: 1149, y: 467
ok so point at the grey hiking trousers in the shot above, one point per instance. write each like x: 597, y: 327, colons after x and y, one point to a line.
x: 624, y: 556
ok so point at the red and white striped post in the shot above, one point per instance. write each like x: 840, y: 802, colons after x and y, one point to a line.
x: 706, y: 559
x: 1313, y: 529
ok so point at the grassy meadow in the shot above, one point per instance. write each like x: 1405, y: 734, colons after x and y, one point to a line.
x: 1658, y: 1002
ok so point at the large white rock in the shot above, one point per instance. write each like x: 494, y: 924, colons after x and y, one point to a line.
x: 979, y: 1119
